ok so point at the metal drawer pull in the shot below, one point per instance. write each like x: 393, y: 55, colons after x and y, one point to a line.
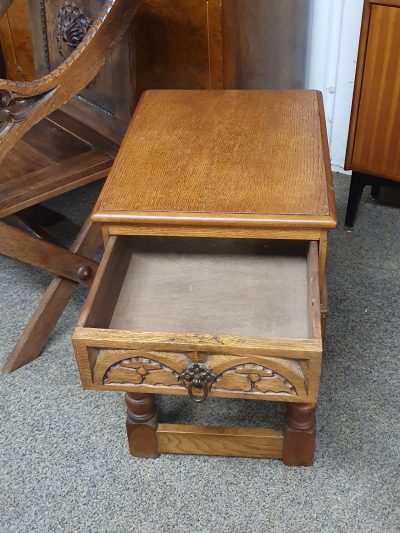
x: 197, y: 375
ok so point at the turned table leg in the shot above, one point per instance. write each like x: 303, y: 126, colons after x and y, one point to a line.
x: 141, y: 425
x: 299, y: 444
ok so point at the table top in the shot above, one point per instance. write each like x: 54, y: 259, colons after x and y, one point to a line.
x: 223, y: 158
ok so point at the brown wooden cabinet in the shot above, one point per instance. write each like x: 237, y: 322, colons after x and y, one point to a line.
x: 373, y: 152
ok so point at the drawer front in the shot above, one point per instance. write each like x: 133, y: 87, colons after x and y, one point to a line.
x: 199, y: 373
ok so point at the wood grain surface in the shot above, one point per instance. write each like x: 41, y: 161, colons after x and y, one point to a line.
x: 16, y: 40
x: 47, y: 162
x: 39, y: 253
x: 245, y: 377
x: 178, y: 45
x: 51, y: 305
x: 192, y: 157
x: 246, y: 288
x: 55, y: 89
x: 220, y: 441
x: 376, y: 147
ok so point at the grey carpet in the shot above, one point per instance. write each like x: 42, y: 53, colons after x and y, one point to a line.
x: 64, y: 463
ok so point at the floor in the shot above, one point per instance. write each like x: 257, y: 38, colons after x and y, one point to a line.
x: 64, y: 462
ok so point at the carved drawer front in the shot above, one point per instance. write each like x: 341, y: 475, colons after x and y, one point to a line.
x: 255, y: 377
x: 119, y: 341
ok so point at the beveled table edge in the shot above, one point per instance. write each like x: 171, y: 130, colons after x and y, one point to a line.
x: 215, y: 219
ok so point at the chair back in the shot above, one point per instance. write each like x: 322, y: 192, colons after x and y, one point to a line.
x: 24, y: 104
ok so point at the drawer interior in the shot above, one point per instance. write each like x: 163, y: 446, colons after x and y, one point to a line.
x: 234, y: 287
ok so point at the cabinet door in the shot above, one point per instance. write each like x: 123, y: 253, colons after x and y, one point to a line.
x: 179, y: 44
x: 377, y: 140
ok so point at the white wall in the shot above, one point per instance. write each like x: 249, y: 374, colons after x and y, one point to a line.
x: 335, y: 30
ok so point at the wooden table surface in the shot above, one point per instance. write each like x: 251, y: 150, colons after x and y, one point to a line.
x: 236, y: 158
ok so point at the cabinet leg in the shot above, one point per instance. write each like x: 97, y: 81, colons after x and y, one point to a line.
x: 299, y: 444
x: 375, y: 191
x: 356, y: 190
x: 141, y: 425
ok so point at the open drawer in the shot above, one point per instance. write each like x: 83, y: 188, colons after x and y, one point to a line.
x: 204, y: 317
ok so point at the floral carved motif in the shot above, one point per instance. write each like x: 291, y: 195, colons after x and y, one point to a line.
x: 254, y: 378
x: 231, y: 377
x: 72, y: 25
x: 140, y: 371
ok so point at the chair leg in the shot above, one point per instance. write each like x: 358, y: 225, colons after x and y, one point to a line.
x: 41, y: 324
x: 51, y: 306
x: 356, y: 190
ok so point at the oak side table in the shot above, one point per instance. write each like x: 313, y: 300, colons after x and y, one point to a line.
x: 212, y: 285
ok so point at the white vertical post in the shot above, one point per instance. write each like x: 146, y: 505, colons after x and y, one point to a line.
x: 325, y: 37
x: 334, y: 36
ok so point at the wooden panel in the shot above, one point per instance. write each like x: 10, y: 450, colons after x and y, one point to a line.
x: 53, y: 181
x: 106, y: 104
x: 125, y: 340
x: 49, y: 161
x: 219, y: 441
x: 108, y: 283
x: 83, y: 133
x: 257, y: 289
x: 178, y: 45
x: 250, y: 27
x: 45, y: 143
x: 244, y: 377
x: 313, y: 291
x: 395, y: 3
x: 222, y: 154
x: 218, y: 232
x: 16, y: 40
x: 377, y: 143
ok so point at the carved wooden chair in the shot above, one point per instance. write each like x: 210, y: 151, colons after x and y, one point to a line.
x: 40, y: 158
